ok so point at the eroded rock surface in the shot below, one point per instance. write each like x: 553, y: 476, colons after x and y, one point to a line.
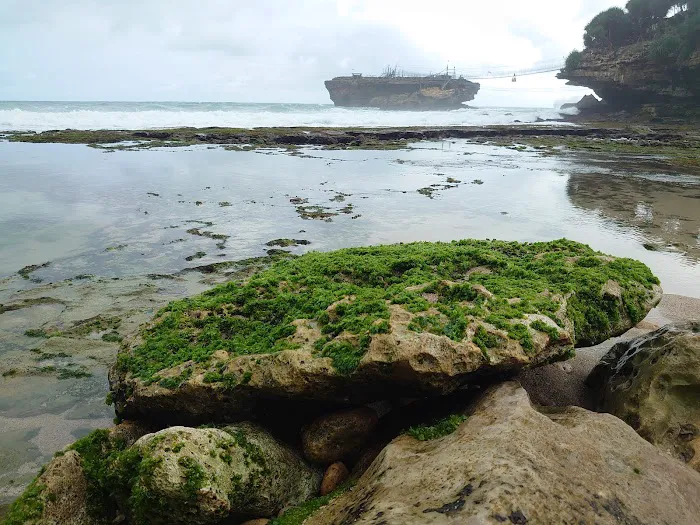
x: 653, y: 383
x: 359, y: 324
x: 510, y: 463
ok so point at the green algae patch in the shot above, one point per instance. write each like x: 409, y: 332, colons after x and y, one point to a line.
x: 438, y: 429
x: 28, y: 507
x: 447, y: 287
x: 297, y: 515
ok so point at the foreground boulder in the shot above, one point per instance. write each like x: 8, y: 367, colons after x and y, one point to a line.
x: 179, y: 475
x: 362, y: 324
x: 653, y: 383
x: 510, y: 463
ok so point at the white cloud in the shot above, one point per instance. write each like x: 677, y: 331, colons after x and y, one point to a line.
x: 273, y: 50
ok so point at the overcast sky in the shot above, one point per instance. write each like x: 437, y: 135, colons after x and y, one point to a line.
x: 275, y: 50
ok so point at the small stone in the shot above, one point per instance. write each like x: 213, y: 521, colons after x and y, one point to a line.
x: 335, y: 475
x: 258, y: 521
x: 334, y: 436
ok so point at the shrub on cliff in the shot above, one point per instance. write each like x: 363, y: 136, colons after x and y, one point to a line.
x: 573, y: 60
x: 612, y: 27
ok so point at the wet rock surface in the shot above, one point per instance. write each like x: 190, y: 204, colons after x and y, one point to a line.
x: 653, y: 383
x: 512, y: 463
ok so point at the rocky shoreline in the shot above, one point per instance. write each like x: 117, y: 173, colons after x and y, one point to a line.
x: 329, y: 388
x: 355, y: 385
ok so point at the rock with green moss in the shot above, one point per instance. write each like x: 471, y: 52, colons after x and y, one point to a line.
x: 58, y: 495
x: 179, y: 475
x: 208, y: 474
x: 354, y: 325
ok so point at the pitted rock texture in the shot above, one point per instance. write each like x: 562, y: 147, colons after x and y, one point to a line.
x: 510, y: 463
x: 653, y: 383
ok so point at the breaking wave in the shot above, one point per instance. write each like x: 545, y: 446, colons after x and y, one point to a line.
x: 41, y: 116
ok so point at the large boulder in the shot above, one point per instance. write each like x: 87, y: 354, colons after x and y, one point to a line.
x: 361, y: 324
x: 179, y: 475
x: 510, y: 463
x: 653, y: 383
x: 203, y: 475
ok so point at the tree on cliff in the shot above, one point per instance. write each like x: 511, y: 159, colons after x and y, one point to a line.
x: 611, y: 28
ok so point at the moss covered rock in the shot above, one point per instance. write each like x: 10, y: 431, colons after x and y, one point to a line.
x: 177, y: 475
x: 361, y: 323
x: 204, y: 475
x: 653, y: 383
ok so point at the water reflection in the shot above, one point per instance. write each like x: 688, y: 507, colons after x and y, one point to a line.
x: 664, y: 209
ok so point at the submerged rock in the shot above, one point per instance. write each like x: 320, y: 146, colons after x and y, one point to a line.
x: 653, y: 383
x: 359, y: 324
x: 510, y: 463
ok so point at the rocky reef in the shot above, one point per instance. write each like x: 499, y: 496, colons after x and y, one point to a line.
x: 408, y: 93
x: 367, y: 385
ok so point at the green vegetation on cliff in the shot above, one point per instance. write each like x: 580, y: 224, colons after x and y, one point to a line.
x: 347, y: 295
x: 671, y: 27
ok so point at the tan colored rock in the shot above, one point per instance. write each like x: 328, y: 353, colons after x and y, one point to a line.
x: 653, y: 383
x: 334, y: 476
x: 334, y: 436
x: 240, y: 469
x: 259, y: 521
x: 60, y: 494
x: 510, y: 463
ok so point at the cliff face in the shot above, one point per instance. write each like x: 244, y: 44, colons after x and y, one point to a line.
x: 627, y: 77
x: 409, y: 93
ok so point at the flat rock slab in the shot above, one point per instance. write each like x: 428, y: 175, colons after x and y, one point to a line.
x: 510, y: 463
x: 363, y: 324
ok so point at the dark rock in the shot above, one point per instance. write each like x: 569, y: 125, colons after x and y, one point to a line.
x: 653, y: 383
x: 334, y: 436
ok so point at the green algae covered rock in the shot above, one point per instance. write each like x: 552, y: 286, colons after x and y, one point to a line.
x: 177, y: 475
x: 361, y: 323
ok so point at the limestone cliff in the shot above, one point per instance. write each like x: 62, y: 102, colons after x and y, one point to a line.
x: 409, y: 93
x: 628, y: 77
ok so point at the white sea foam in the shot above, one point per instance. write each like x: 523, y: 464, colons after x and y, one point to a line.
x: 40, y: 116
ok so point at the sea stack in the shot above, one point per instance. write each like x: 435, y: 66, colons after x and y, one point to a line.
x: 393, y: 91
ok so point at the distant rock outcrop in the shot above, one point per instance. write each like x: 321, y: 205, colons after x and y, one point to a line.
x: 409, y: 93
x: 588, y: 102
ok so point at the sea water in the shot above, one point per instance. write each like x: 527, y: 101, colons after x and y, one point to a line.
x: 40, y: 116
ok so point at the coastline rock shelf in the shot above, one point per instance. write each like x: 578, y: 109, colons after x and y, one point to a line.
x: 409, y: 93
x: 362, y: 324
